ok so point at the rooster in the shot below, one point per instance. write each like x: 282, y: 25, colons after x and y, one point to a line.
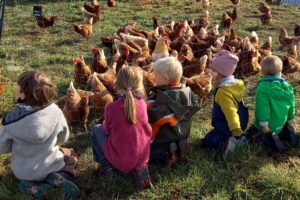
x: 82, y: 71
x: 111, y: 3
x: 287, y: 41
x: 201, y: 85
x: 85, y: 30
x: 101, y: 96
x: 75, y: 106
x: 45, y: 22
x: 99, y: 60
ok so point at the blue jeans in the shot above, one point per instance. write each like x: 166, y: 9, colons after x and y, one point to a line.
x: 98, y: 138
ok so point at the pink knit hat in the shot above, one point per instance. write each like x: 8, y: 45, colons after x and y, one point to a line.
x: 224, y: 63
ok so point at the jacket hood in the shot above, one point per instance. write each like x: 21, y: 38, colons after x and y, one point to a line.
x: 36, y: 127
x: 276, y: 87
x: 236, y: 88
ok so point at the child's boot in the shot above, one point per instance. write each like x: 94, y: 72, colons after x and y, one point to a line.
x: 35, y: 189
x: 183, y: 147
x: 65, y: 186
x: 291, y: 136
x: 142, y: 177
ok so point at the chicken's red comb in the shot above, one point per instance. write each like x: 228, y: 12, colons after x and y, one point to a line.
x: 94, y: 49
x: 76, y: 60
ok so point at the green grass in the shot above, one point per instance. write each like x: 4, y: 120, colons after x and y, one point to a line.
x: 248, y: 174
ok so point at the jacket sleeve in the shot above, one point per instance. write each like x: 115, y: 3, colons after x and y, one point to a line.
x: 5, y: 141
x: 229, y: 108
x: 291, y: 113
x: 262, y: 108
x: 64, y: 132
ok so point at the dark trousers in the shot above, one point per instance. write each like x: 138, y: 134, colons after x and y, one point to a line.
x: 287, y: 134
x: 215, y: 139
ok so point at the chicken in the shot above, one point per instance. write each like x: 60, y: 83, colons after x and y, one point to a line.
x: 201, y: 85
x: 111, y: 3
x: 254, y: 40
x: 269, y: 2
x: 75, y: 106
x: 202, y: 21
x: 94, y: 7
x: 205, y: 4
x: 233, y: 40
x: 122, y: 60
x: 263, y: 7
x: 289, y: 59
x: 235, y: 2
x: 266, y: 18
x: 195, y: 68
x: 287, y: 41
x: 297, y: 30
x: 108, y: 79
x: 99, y: 61
x: 149, y: 81
x: 109, y: 41
x: 85, y: 30
x: 186, y: 55
x: 233, y: 14
x: 226, y: 21
x: 87, y: 16
x: 249, y: 62
x: 101, y: 96
x: 45, y: 22
x: 266, y: 48
x: 82, y: 71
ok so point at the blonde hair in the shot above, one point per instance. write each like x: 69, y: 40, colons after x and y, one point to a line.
x: 129, y: 80
x: 271, y: 65
x: 169, y: 68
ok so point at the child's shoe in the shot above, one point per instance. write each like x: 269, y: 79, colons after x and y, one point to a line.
x: 173, y: 155
x: 103, y: 169
x: 291, y: 136
x: 142, y: 177
x: 35, y: 189
x: 65, y: 186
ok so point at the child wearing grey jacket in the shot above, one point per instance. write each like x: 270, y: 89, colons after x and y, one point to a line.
x: 32, y: 133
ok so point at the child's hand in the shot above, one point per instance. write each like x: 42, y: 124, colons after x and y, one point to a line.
x: 265, y: 129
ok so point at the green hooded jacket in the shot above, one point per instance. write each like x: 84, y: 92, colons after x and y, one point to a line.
x: 275, y: 103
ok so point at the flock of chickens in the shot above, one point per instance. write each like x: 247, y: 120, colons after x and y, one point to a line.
x: 193, y: 42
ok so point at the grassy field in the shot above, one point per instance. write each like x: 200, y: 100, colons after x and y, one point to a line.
x: 250, y: 173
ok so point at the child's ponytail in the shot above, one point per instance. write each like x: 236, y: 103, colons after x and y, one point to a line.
x: 129, y: 81
x: 129, y: 107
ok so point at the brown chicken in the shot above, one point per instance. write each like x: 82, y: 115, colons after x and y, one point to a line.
x: 297, y: 30
x: 254, y: 40
x: 46, y: 22
x: 99, y: 61
x: 186, y: 55
x: 82, y: 72
x: 201, y: 85
x: 85, y: 30
x: 266, y: 48
x: 94, y: 7
x: 101, y: 96
x: 226, y: 21
x: 287, y: 41
x: 87, y: 16
x: 111, y: 3
x: 195, y: 68
x: 108, y: 79
x: 290, y: 62
x: 235, y: 2
x: 122, y: 60
x: 266, y: 18
x: 75, y: 106
x: 233, y: 14
x: 249, y: 62
x: 263, y: 7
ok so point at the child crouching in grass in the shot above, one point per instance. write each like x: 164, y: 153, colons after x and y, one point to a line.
x: 32, y: 133
x: 123, y: 140
x: 230, y: 116
x: 275, y: 108
x: 170, y: 112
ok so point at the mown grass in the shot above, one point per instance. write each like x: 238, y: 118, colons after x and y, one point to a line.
x: 250, y: 173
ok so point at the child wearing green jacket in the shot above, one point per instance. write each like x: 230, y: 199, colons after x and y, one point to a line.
x: 275, y: 108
